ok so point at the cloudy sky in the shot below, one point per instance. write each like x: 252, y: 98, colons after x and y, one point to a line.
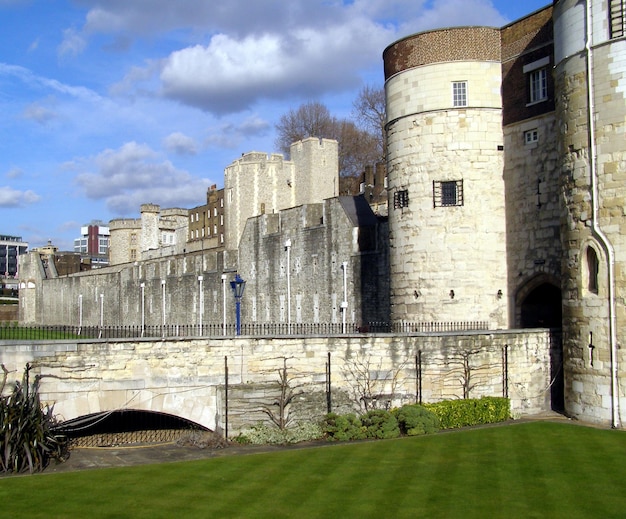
x: 108, y: 104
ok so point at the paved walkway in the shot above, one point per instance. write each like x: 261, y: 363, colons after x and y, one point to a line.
x: 96, y: 458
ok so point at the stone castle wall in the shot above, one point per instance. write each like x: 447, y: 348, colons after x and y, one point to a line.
x: 168, y: 290
x: 258, y: 183
x: 533, y: 209
x: 186, y: 377
x: 593, y: 174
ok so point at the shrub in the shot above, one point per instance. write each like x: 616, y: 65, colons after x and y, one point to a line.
x: 415, y: 419
x: 344, y: 427
x: 202, y: 440
x: 262, y: 434
x: 380, y: 424
x: 453, y: 414
x: 28, y: 440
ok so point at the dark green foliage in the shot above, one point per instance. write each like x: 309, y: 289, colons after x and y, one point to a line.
x: 453, y: 414
x: 380, y: 424
x: 415, y: 419
x: 343, y: 427
x: 27, y: 439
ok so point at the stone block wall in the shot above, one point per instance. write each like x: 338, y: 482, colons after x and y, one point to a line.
x: 533, y: 210
x: 186, y: 377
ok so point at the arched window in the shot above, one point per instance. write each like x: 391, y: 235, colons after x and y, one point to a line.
x: 592, y: 270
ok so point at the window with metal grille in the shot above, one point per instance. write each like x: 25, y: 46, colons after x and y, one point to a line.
x: 617, y: 18
x: 459, y: 93
x: 401, y: 199
x: 447, y: 193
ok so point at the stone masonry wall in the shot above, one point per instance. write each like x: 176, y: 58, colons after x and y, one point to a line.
x: 592, y: 366
x: 186, y: 377
x: 533, y: 208
x: 439, y: 270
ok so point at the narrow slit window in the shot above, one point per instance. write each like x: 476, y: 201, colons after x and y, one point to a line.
x: 592, y: 270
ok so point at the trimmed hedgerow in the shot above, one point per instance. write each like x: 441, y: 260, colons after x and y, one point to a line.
x: 415, y: 419
x: 453, y: 414
x: 343, y: 427
x: 380, y: 424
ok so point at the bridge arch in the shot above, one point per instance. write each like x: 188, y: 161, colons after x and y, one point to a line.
x: 126, y: 427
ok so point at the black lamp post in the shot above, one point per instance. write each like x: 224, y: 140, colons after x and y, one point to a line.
x: 238, y: 285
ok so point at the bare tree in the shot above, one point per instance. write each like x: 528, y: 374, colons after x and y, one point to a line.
x: 279, y: 411
x: 358, y: 147
x: 369, y: 382
x: 311, y: 119
x: 370, y: 112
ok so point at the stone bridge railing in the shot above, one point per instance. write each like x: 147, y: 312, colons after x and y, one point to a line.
x: 188, y: 377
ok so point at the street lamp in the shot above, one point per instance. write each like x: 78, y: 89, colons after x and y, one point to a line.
x: 238, y: 286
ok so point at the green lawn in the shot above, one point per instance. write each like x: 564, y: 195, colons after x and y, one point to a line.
x: 523, y: 470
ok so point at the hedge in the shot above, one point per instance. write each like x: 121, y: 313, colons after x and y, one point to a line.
x: 453, y: 414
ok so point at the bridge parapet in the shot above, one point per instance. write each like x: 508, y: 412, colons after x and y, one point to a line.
x: 187, y: 377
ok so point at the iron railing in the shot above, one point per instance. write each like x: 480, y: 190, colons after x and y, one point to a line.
x: 62, y: 332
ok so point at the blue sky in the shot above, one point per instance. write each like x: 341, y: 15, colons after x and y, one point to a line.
x: 108, y: 104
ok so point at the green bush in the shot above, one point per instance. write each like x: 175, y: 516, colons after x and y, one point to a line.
x: 262, y: 434
x: 380, y: 424
x: 414, y: 419
x: 453, y: 414
x: 344, y: 427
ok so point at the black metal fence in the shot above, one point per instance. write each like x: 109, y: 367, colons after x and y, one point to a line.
x: 61, y: 332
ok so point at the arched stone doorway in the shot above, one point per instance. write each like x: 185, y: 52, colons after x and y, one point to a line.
x: 541, y: 308
x: 539, y: 305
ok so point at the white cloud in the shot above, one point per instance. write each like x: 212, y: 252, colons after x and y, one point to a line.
x: 135, y: 174
x: 180, y: 144
x: 73, y: 43
x: 15, y: 173
x: 10, y: 197
x: 230, y: 75
x: 39, y: 113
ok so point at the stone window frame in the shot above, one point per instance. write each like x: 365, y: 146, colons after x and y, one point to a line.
x: 617, y: 18
x: 448, y: 193
x: 459, y: 94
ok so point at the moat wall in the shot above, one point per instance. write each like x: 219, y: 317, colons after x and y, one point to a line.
x: 186, y: 377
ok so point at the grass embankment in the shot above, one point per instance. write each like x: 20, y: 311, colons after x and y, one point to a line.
x: 523, y: 470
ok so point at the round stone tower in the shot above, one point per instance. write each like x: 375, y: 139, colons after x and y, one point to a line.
x: 446, y: 188
x: 590, y: 81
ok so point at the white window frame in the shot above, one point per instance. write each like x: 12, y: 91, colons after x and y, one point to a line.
x: 537, y: 79
x: 531, y: 136
x: 459, y: 94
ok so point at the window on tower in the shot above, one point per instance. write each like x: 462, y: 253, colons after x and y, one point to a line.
x: 401, y: 199
x: 537, y: 78
x: 447, y: 193
x: 617, y: 20
x: 459, y: 93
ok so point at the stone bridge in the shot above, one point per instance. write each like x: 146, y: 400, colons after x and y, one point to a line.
x: 187, y: 377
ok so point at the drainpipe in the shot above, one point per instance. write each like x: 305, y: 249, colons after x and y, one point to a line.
x: 597, y: 231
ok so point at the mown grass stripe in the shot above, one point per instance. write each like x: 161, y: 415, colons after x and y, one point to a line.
x: 522, y: 470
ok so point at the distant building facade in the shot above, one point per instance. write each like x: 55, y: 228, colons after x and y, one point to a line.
x: 94, y: 243
x: 206, y: 222
x: 159, y: 232
x: 10, y: 248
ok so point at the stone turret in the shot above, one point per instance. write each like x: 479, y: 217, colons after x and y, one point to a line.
x: 444, y: 166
